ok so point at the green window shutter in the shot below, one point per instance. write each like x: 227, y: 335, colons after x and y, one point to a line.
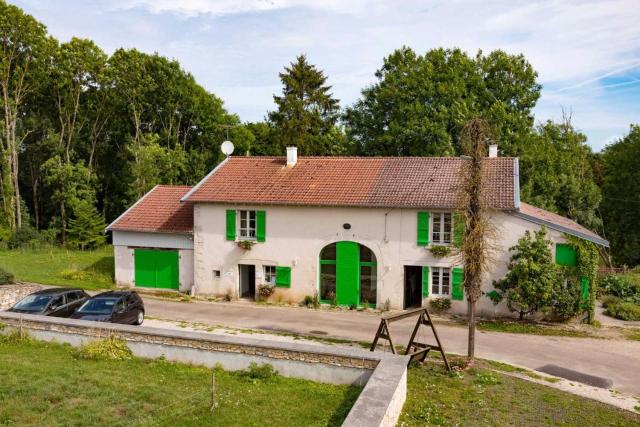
x: 566, y: 254
x: 425, y: 281
x: 231, y: 224
x: 423, y: 228
x: 457, y: 292
x: 261, y: 228
x: 585, y: 288
x: 283, y: 277
x: 458, y: 229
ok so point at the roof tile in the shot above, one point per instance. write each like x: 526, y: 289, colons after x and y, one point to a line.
x: 160, y: 211
x: 419, y: 182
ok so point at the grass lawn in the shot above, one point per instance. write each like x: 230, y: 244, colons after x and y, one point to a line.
x: 43, y: 384
x: 62, y: 267
x: 483, y: 397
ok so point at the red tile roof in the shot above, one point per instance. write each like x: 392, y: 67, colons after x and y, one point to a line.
x: 160, y: 211
x: 559, y: 222
x: 418, y: 182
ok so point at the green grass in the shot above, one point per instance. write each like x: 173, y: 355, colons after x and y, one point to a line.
x: 482, y: 397
x: 530, y: 328
x: 44, y: 384
x: 62, y: 267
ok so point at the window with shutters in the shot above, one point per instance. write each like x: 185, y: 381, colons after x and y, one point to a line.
x: 270, y: 274
x: 440, y: 281
x: 247, y: 225
x: 442, y: 227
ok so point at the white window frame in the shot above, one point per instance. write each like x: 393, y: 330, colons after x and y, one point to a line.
x: 439, y: 273
x: 440, y: 232
x: 248, y: 232
x: 269, y: 274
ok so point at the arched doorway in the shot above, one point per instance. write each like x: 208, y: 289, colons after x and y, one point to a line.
x: 348, y: 274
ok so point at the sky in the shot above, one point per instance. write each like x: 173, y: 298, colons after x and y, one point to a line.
x: 587, y: 53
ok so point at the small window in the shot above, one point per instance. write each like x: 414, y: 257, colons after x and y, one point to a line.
x: 248, y: 225
x: 72, y: 296
x: 216, y: 274
x: 270, y: 274
x: 442, y: 227
x: 440, y: 281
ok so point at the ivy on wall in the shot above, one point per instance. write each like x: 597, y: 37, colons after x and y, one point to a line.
x: 586, y: 267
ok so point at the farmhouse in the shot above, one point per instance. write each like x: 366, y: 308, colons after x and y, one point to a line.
x: 355, y: 231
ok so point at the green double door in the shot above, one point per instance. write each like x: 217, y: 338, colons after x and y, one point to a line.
x: 156, y: 268
x: 348, y: 273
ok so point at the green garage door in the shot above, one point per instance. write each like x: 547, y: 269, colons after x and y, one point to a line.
x: 156, y: 268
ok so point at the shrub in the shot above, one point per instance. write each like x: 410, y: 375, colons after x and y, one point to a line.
x: 619, y: 286
x: 86, y: 229
x: 608, y: 300
x: 25, y: 237
x: 440, y: 304
x: 532, y: 276
x: 5, y: 277
x: 565, y: 298
x: 110, y: 348
x: 331, y: 296
x: 624, y: 311
x: 311, y: 301
x: 265, y: 291
x: 259, y: 372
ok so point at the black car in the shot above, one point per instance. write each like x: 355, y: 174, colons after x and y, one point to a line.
x: 58, y: 302
x: 113, y: 306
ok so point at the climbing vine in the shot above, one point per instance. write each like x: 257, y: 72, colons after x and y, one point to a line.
x: 587, y: 267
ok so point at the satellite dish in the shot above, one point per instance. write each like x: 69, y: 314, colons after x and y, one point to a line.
x: 227, y: 148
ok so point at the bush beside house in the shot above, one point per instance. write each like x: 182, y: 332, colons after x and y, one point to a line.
x: 535, y: 283
x: 620, y: 295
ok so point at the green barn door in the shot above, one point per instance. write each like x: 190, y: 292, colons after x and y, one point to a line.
x: 145, y: 268
x: 167, y: 270
x: 347, y: 273
x: 156, y: 269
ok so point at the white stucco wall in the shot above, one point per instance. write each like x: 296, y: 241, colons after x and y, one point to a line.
x: 124, y: 243
x: 296, y: 235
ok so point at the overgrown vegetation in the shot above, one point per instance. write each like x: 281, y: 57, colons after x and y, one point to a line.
x: 621, y: 296
x: 110, y: 348
x: 6, y: 277
x: 440, y: 305
x: 535, y: 283
x: 153, y: 392
x: 440, y: 251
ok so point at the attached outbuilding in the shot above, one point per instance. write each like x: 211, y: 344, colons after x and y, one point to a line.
x: 153, y: 241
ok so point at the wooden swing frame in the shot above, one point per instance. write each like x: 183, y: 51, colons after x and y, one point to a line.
x: 416, y: 351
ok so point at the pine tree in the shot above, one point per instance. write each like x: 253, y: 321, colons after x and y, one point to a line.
x: 86, y: 230
x: 307, y: 112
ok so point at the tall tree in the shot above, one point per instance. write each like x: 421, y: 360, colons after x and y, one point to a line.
x: 307, y: 111
x: 476, y: 244
x: 25, y: 49
x: 557, y: 173
x: 621, y: 197
x: 419, y: 104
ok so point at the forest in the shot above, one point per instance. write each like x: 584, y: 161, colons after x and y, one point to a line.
x: 85, y: 134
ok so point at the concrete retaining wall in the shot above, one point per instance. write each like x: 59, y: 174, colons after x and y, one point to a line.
x: 382, y: 374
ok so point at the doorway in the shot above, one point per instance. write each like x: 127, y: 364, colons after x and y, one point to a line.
x: 412, y: 286
x: 247, y: 281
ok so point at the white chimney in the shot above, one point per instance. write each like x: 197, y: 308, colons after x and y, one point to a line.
x: 493, y: 150
x: 292, y: 156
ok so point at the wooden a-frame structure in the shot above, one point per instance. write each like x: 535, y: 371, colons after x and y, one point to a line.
x: 416, y: 351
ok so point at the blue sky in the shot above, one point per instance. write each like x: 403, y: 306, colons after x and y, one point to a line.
x: 587, y: 53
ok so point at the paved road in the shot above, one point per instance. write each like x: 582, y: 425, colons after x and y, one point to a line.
x: 617, y: 360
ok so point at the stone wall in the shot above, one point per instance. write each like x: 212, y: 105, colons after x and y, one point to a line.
x: 10, y: 294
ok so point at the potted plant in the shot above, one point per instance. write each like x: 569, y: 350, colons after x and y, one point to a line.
x: 440, y: 251
x: 245, y: 244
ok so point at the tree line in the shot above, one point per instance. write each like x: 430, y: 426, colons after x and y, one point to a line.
x: 84, y: 134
